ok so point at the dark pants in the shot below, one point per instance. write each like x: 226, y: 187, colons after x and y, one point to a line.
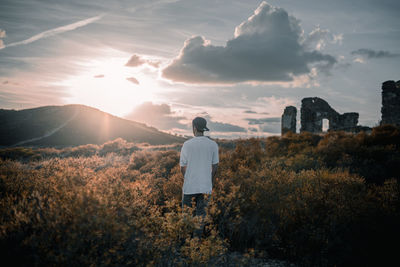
x: 201, y: 201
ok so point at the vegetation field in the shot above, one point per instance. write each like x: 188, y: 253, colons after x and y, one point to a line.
x: 310, y: 200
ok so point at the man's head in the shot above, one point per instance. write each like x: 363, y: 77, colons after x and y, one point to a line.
x: 199, y: 125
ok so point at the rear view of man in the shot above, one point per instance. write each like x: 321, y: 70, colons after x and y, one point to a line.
x: 199, y: 162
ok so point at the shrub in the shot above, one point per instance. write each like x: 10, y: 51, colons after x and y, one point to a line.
x: 302, y: 198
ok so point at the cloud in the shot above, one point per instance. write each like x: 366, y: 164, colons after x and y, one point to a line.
x: 273, y: 106
x: 359, y: 60
x: 154, y: 64
x: 337, y: 38
x: 162, y: 117
x: 267, y: 125
x: 135, y: 61
x: 272, y: 128
x: 223, y: 127
x: 268, y: 47
x: 369, y: 53
x: 55, y: 31
x: 29, y: 93
x: 254, y: 112
x: 99, y: 76
x: 159, y: 116
x: 2, y: 35
x: 263, y: 120
x: 318, y: 38
x: 133, y: 80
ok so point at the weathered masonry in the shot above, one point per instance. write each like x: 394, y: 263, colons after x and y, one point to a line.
x: 391, y: 103
x: 289, y: 119
x: 314, y: 110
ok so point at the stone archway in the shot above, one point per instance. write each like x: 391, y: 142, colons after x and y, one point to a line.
x: 315, y: 109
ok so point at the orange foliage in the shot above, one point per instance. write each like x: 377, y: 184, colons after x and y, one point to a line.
x: 303, y: 198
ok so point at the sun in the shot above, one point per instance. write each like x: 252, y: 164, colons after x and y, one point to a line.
x: 106, y: 83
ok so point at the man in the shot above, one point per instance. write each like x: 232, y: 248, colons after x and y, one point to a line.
x: 199, y: 162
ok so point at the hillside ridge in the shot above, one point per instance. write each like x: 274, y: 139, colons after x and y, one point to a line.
x: 71, y: 125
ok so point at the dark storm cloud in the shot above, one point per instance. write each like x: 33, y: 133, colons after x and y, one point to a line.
x: 269, y: 46
x: 369, y: 53
x: 263, y: 120
x: 159, y: 116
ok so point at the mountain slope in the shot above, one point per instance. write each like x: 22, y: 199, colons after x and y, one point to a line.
x: 72, y: 125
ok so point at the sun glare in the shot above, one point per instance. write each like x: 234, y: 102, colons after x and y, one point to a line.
x: 111, y: 86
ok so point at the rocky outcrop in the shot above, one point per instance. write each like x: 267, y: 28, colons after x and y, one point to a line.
x: 391, y: 103
x: 289, y: 120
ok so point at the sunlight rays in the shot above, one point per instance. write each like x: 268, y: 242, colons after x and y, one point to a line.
x: 112, y: 87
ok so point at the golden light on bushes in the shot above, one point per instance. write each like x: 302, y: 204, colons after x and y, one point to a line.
x: 306, y: 199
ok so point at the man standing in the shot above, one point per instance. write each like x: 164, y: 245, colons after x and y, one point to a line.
x: 199, y: 162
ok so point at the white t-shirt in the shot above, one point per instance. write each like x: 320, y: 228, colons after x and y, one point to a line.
x: 198, y: 154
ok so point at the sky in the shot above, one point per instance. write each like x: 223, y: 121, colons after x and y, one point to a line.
x: 236, y: 63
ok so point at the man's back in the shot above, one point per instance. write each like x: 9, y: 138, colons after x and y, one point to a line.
x: 198, y: 154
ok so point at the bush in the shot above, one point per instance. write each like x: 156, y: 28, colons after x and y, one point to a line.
x: 312, y: 200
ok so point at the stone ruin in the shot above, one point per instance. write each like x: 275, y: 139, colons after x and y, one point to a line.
x: 314, y: 110
x: 289, y: 119
x: 391, y: 103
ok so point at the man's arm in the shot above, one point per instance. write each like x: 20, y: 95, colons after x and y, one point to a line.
x: 183, y: 160
x: 183, y: 170
x: 214, y: 168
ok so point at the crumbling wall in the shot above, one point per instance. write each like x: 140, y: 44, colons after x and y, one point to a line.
x: 391, y: 103
x: 289, y: 120
x: 347, y: 120
x: 315, y: 109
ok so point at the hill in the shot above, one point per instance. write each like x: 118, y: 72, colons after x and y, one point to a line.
x: 72, y: 125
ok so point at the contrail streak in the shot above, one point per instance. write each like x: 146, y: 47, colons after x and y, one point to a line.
x: 55, y: 31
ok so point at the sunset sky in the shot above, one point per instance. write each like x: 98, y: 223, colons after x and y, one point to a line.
x: 237, y: 63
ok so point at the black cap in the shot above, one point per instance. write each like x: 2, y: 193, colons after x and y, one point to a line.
x: 200, y: 124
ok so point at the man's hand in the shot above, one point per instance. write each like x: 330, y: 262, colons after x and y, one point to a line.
x: 183, y: 170
x: 214, y: 168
